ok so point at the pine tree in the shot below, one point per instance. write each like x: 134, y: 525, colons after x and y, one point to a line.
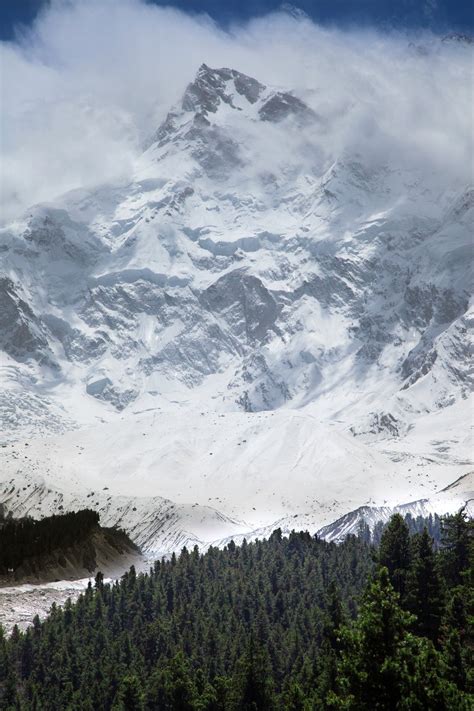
x: 363, y: 532
x: 172, y: 688
x: 458, y: 637
x: 253, y: 685
x: 294, y: 699
x: 457, y: 538
x: 130, y: 696
x: 424, y: 590
x: 394, y: 553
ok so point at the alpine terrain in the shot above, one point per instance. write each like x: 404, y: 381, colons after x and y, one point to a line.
x: 249, y: 331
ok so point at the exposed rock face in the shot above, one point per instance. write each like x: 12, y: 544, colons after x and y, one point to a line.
x: 104, y: 389
x: 247, y: 307
x: 211, y: 87
x: 204, y: 95
x: 22, y: 335
x: 283, y: 105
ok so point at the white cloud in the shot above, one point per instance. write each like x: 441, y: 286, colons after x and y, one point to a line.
x: 92, y: 78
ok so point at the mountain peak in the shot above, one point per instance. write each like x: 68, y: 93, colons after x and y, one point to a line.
x: 213, y: 86
x: 213, y: 89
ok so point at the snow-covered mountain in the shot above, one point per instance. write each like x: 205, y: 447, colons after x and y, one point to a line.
x: 251, y: 328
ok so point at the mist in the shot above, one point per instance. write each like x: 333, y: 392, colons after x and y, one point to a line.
x: 83, y: 88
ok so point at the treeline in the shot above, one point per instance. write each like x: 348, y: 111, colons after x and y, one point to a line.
x: 290, y: 623
x: 416, y: 524
x: 25, y: 539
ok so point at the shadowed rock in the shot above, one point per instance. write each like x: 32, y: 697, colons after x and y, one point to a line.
x: 282, y: 105
x: 211, y: 86
x: 22, y: 335
x: 249, y: 308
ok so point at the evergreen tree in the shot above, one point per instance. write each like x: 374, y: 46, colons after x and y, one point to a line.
x: 130, y: 695
x: 363, y: 532
x: 424, y: 590
x: 253, y: 685
x: 172, y: 688
x: 394, y: 553
x: 294, y: 699
x: 457, y: 539
x: 458, y: 637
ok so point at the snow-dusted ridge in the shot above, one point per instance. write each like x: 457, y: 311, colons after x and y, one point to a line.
x: 239, y: 335
x: 157, y: 525
x: 457, y: 496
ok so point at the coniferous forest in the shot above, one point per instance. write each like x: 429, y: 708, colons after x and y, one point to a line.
x: 288, y: 623
x: 58, y: 547
x: 24, y: 539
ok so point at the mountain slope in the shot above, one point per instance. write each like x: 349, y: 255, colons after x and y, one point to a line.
x: 66, y: 547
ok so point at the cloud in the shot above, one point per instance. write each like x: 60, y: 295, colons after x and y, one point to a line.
x: 91, y: 79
